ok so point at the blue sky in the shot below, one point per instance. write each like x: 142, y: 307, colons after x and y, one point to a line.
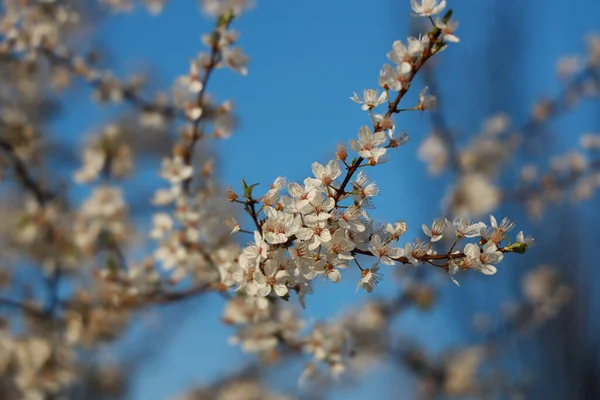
x: 306, y: 60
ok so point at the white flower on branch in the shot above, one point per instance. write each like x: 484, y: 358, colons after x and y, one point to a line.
x: 393, y: 78
x: 315, y: 235
x: 217, y: 8
x: 350, y: 220
x: 272, y: 279
x: 175, y: 170
x: 370, y: 277
x: 233, y: 224
x: 448, y: 29
x: 396, y: 230
x: 235, y: 60
x: 437, y: 229
x: 414, y: 252
x: 257, y: 251
x: 482, y: 261
x: 318, y: 210
x: 370, y: 100
x: 496, y: 233
x: 279, y: 226
x: 426, y: 101
x: 340, y: 245
x: 463, y: 228
x: 162, y: 225
x: 369, y: 144
x: 397, y: 140
x: 404, y: 56
x: 330, y: 268
x: 384, y: 251
x: 301, y: 196
x: 427, y: 8
x: 325, y: 175
x: 192, y: 81
x: 364, y: 187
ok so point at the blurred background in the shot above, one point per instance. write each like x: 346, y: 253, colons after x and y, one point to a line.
x: 516, y: 96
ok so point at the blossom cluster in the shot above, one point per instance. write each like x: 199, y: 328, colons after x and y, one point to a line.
x: 300, y: 231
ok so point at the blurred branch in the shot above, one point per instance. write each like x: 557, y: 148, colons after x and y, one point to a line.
x: 24, y: 175
x: 68, y: 61
x: 553, y: 108
x: 439, y: 123
x: 33, y: 311
x: 214, y: 59
x: 551, y: 182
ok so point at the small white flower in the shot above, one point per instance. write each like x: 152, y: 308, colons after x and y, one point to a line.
x: 427, y: 8
x: 370, y: 277
x: 521, y: 238
x: 437, y: 229
x: 394, y: 78
x: 453, y: 269
x: 319, y: 208
x: 364, y: 187
x: 162, y: 224
x: 340, y: 245
x: 328, y: 269
x: 314, y: 235
x: 496, y: 233
x: 464, y: 228
x: 175, y: 170
x: 402, y: 55
x: 385, y: 252
x: 435, y: 153
x: 396, y: 230
x: 482, y: 261
x: 369, y: 145
x: 325, y: 175
x: 302, y: 195
x: 233, y: 224
x: 350, y: 219
x: 272, y: 279
x: 171, y: 253
x: 448, y: 29
x: 415, y: 252
x: 235, y: 60
x: 371, y: 99
x: 397, y: 140
x: 93, y: 163
x: 192, y: 80
x: 258, y: 250
x: 426, y: 101
x: 491, y: 255
x: 279, y: 226
x: 162, y: 197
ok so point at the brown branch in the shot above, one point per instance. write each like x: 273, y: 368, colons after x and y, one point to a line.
x: 41, y: 195
x: 26, y: 308
x: 215, y: 58
x: 434, y: 35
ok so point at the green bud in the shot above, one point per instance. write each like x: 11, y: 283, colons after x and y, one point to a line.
x: 518, y: 247
x: 447, y: 16
x: 248, y: 189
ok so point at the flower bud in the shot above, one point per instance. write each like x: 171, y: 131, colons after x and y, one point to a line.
x: 230, y: 195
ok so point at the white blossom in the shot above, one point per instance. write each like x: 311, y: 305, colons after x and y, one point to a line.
x: 370, y: 144
x: 371, y: 99
x: 427, y: 8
